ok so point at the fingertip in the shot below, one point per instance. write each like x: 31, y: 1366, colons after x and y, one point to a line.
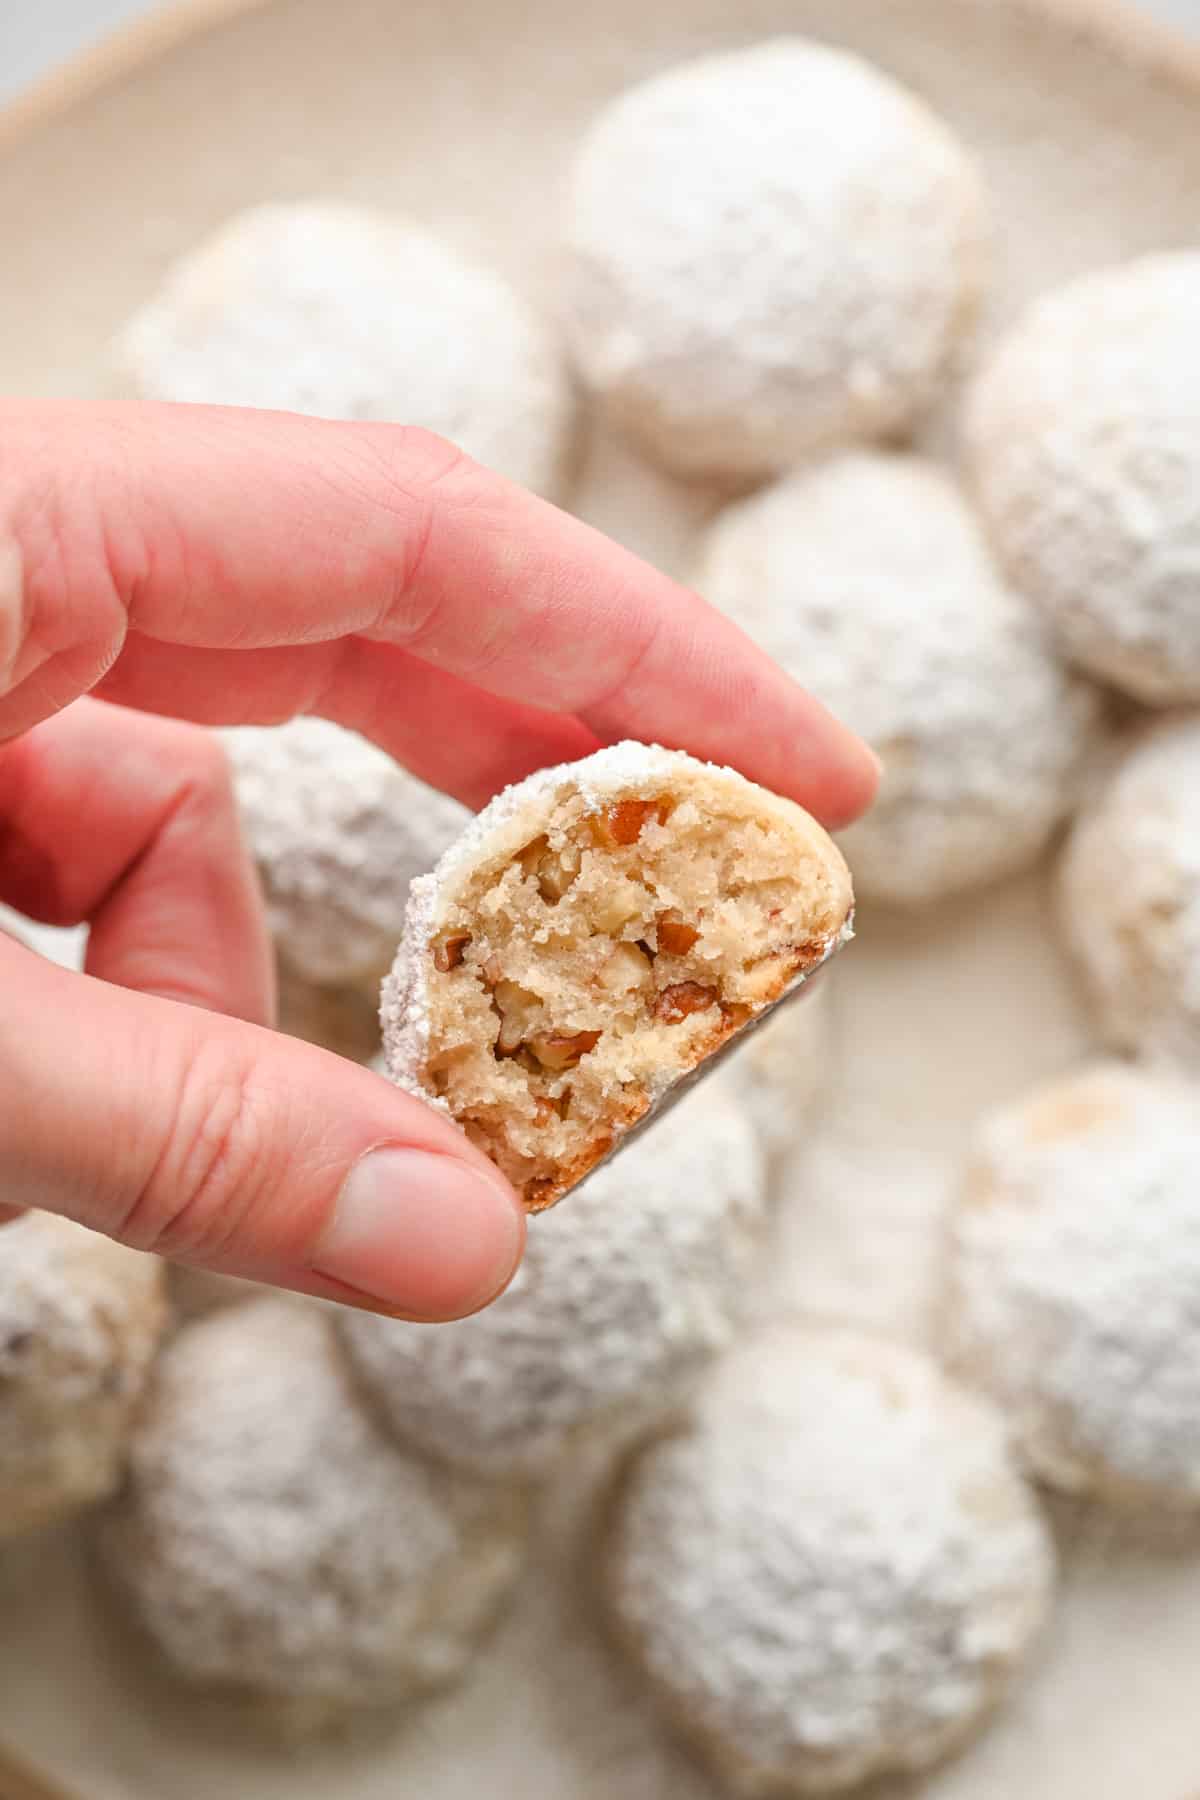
x: 852, y: 786
x: 422, y: 1234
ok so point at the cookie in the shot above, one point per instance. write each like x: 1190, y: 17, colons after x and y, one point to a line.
x: 597, y: 933
x: 1083, y: 439
x: 330, y: 309
x: 768, y: 251
x: 80, y: 1321
x: 833, y: 1571
x: 623, y: 1296
x: 868, y: 579
x: 1072, y: 1282
x: 274, y: 1543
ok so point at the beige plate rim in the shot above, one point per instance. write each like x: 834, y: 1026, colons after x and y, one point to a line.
x: 1164, y: 51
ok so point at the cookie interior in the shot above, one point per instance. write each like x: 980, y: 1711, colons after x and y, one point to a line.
x: 575, y: 979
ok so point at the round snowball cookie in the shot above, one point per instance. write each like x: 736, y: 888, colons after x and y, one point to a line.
x: 834, y: 1572
x: 866, y: 577
x: 1073, y: 1282
x: 80, y: 1321
x: 768, y: 251
x: 350, y: 314
x: 1083, y: 433
x: 623, y: 1295
x: 338, y: 831
x: 273, y: 1542
x: 1129, y: 896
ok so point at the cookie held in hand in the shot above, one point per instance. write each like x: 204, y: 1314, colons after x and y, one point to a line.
x: 596, y: 934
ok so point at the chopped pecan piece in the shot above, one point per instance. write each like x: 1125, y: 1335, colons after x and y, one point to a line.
x: 683, y: 999
x: 622, y: 824
x: 558, y: 1050
x: 675, y: 936
x: 627, y: 967
x: 519, y: 1012
x: 449, y: 952
x: 553, y: 870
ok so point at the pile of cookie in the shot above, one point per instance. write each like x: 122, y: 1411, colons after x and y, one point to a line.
x: 824, y: 1553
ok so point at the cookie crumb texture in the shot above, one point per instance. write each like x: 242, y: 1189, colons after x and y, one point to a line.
x: 622, y: 1297
x: 273, y: 1542
x: 1074, y: 1283
x: 833, y: 1573
x: 599, y: 931
x: 770, y: 251
x: 80, y: 1321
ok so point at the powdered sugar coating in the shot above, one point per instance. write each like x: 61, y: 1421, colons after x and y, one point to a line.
x: 351, y: 314
x: 1084, y: 439
x: 501, y: 829
x: 621, y: 1298
x: 835, y: 1571
x: 274, y: 1540
x: 1074, y: 1282
x: 339, y: 831
x: 80, y: 1320
x: 866, y: 577
x: 1129, y: 895
x: 769, y: 250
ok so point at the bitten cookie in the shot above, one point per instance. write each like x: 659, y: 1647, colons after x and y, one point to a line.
x: 338, y: 831
x: 1074, y: 1282
x: 622, y: 1297
x: 1129, y: 895
x: 1083, y: 434
x: 80, y: 1321
x: 868, y: 579
x: 597, y: 933
x: 834, y: 1571
x: 274, y: 1542
x: 768, y: 251
x: 351, y: 314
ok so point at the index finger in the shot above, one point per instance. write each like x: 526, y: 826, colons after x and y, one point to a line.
x: 226, y: 529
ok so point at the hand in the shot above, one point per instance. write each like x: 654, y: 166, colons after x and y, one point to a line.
x: 224, y: 566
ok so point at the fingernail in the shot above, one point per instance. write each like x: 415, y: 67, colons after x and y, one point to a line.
x: 422, y: 1234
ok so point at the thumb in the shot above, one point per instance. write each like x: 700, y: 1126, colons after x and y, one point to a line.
x: 223, y: 1145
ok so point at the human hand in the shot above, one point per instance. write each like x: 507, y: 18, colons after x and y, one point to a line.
x: 225, y: 566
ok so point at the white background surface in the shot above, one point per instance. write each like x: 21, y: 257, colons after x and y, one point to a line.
x: 37, y: 34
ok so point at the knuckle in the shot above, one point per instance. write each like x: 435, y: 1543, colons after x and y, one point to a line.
x: 213, y: 1171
